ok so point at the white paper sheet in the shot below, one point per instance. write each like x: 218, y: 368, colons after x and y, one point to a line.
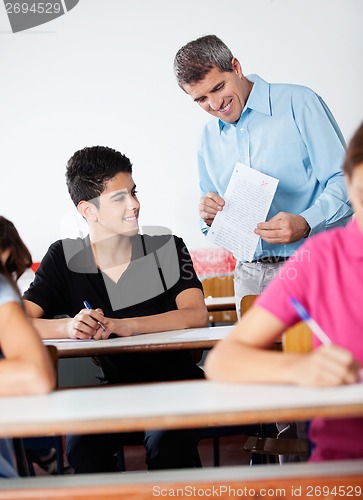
x: 248, y: 198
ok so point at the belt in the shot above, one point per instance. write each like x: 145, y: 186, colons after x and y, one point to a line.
x: 271, y: 260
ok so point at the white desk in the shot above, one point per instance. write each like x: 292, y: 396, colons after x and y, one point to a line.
x: 220, y: 303
x: 172, y: 405
x: 287, y: 481
x: 194, y: 338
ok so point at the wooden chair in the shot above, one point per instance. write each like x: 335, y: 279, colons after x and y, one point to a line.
x: 247, y: 302
x: 220, y: 286
x: 297, y: 338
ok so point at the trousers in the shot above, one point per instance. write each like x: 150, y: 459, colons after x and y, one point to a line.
x: 251, y: 278
x: 164, y: 449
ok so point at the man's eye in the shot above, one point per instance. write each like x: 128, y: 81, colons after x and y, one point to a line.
x: 121, y: 198
x: 199, y: 101
x: 134, y: 193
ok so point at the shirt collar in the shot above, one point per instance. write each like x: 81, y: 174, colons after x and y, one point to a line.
x: 354, y: 239
x: 258, y: 100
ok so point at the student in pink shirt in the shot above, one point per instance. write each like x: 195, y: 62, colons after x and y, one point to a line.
x: 326, y: 277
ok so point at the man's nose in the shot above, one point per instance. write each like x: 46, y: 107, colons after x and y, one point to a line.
x: 215, y: 103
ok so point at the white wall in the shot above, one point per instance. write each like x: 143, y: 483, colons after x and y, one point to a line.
x: 102, y: 74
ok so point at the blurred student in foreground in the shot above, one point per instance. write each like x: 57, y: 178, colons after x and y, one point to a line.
x: 326, y: 277
x: 24, y: 364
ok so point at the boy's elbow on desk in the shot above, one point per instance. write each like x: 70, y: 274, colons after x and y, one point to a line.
x: 203, y: 318
x: 194, y: 317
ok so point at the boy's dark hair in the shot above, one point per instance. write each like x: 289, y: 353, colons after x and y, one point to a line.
x: 19, y: 258
x: 90, y: 168
x: 354, y: 154
x: 193, y: 61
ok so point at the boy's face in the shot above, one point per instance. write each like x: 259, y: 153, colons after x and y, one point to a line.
x: 119, y: 207
x: 221, y: 94
x: 355, y: 191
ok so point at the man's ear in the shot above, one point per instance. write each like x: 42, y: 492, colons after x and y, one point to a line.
x: 236, y: 66
x: 87, y: 210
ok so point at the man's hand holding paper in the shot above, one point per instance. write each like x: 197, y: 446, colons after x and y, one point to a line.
x: 283, y: 228
x: 248, y: 198
x: 209, y: 206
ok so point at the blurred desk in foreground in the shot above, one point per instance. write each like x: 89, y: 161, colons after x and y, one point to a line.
x: 288, y: 481
x: 194, y: 338
x: 172, y: 405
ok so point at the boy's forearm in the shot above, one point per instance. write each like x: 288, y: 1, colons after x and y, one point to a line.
x: 172, y: 320
x: 52, y: 328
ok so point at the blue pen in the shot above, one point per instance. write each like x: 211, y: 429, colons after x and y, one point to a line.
x: 315, y: 328
x: 87, y: 306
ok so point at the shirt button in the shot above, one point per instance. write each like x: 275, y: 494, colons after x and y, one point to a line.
x: 242, y: 129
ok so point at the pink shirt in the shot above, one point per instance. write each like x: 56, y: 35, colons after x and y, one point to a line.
x: 326, y: 276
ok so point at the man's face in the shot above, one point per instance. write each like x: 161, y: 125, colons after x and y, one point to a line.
x: 221, y: 94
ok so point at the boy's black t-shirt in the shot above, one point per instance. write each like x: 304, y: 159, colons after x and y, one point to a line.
x: 160, y: 269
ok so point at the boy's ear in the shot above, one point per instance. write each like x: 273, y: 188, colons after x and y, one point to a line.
x: 87, y: 210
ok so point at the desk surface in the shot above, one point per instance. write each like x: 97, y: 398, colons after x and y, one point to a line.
x: 194, y: 338
x: 172, y: 405
x: 287, y: 481
x: 220, y: 303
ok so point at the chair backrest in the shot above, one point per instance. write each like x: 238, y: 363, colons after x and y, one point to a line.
x: 297, y: 338
x: 220, y: 286
x: 247, y: 302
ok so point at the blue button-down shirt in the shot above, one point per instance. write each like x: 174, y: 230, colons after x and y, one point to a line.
x: 288, y: 132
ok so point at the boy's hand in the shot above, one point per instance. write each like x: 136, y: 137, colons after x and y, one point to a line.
x: 87, y: 324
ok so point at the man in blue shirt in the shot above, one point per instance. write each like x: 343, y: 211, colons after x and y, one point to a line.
x: 282, y: 130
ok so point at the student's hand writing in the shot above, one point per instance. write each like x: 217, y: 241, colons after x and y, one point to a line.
x: 121, y: 327
x: 85, y: 325
x: 209, y: 206
x: 283, y: 228
x: 327, y: 366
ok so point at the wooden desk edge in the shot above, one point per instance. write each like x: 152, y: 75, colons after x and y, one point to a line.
x: 221, y: 307
x: 104, y: 351
x: 131, y: 424
x: 286, y: 481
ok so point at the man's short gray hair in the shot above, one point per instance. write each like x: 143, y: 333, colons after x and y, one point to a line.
x: 193, y: 61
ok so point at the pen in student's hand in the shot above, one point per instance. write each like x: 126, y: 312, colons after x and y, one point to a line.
x: 87, y: 306
x: 315, y: 328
